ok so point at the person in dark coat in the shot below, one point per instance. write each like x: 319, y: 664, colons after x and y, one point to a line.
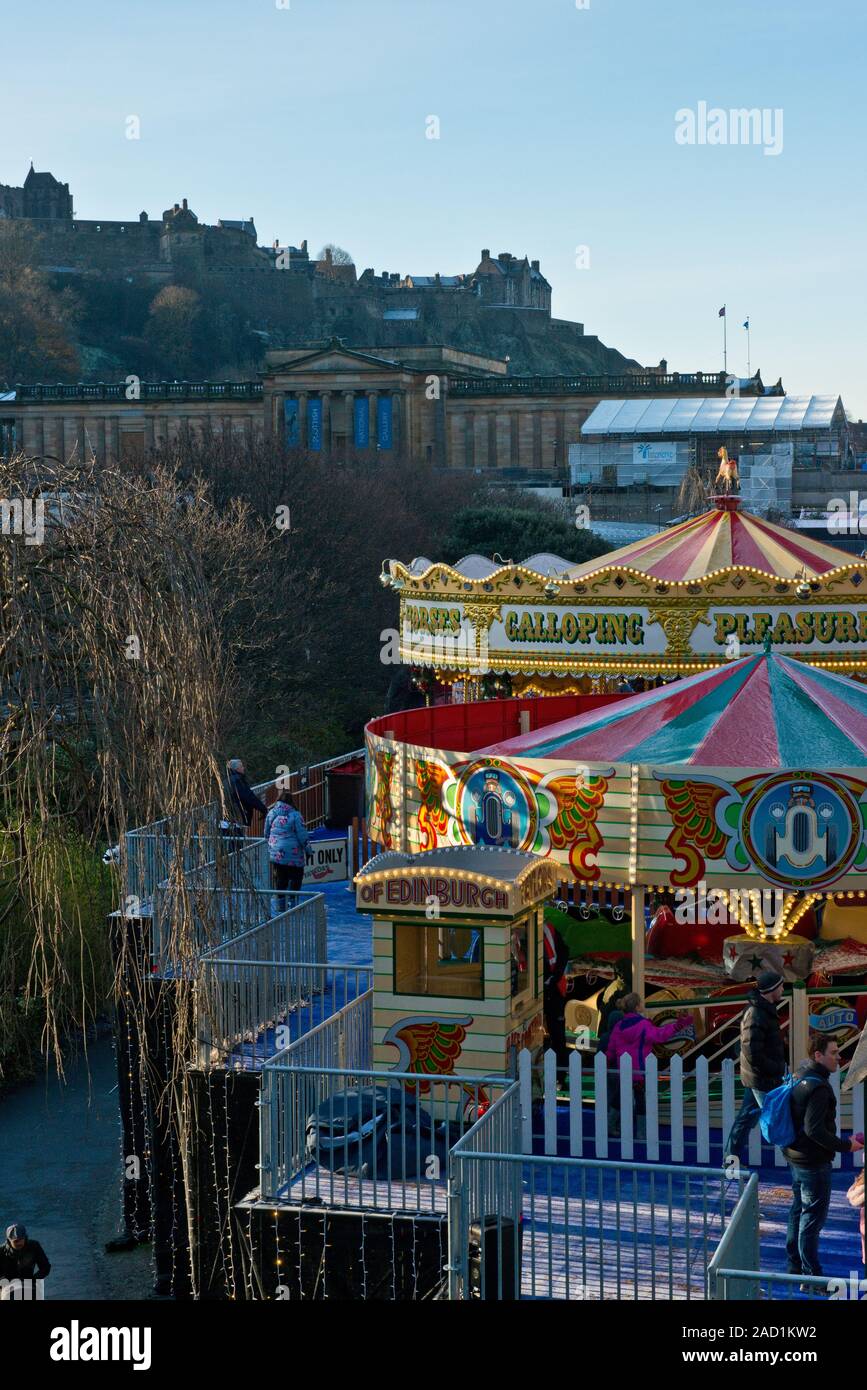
x: 811, y: 1153
x: 243, y: 801
x: 556, y: 955
x: 763, y: 1056
x: 24, y: 1260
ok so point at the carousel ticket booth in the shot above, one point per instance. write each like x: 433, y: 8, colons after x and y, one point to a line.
x: 457, y: 941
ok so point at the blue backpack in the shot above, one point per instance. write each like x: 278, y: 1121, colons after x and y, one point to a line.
x: 776, y: 1121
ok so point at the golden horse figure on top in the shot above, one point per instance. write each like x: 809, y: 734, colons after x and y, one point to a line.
x: 727, y: 475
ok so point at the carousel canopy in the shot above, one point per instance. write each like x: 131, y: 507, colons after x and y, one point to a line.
x: 716, y: 540
x: 763, y: 711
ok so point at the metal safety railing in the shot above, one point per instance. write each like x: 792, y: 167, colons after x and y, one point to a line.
x: 353, y: 1136
x: 343, y: 1041
x: 149, y: 852
x: 735, y: 1274
x: 249, y: 1010
x: 550, y: 1227
x: 191, y: 921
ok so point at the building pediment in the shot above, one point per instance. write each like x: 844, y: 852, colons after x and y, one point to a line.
x: 336, y: 358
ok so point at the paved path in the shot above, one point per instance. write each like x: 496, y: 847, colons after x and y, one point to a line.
x: 60, y: 1173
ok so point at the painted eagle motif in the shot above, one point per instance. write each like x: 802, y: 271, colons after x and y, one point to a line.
x: 428, y: 1044
x: 579, y: 802
x: 433, y: 819
x: 695, y: 836
x: 431, y: 1045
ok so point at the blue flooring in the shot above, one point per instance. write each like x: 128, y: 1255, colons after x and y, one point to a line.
x: 350, y: 942
x: 350, y: 933
x: 839, y: 1246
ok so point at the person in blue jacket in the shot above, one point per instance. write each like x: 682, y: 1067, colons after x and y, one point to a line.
x: 287, y: 838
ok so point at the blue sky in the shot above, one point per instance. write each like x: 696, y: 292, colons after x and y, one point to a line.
x: 557, y: 129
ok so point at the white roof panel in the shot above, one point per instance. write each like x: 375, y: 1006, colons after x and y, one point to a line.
x: 738, y: 411
x: 712, y: 415
x: 820, y: 412
x: 600, y: 417
x: 683, y: 412
x: 628, y: 417
x: 654, y: 418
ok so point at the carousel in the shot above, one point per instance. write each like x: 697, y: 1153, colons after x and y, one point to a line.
x: 729, y: 807
x: 674, y: 603
x: 709, y: 825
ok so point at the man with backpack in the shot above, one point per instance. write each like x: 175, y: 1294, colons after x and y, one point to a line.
x: 763, y: 1055
x: 811, y: 1153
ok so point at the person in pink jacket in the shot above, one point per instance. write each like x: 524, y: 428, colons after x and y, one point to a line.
x: 856, y: 1199
x: 636, y: 1035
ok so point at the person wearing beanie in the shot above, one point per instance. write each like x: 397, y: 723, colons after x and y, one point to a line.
x: 763, y: 1061
x: 22, y: 1259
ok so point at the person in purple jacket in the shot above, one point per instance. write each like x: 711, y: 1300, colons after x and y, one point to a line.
x: 636, y: 1035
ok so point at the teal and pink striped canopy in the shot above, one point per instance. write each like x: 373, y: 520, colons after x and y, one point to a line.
x: 762, y: 711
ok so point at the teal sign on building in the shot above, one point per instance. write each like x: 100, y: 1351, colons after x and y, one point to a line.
x: 384, y: 432
x: 314, y: 424
x: 362, y: 423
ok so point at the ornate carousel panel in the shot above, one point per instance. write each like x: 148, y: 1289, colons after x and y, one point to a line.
x: 721, y: 779
x: 715, y: 586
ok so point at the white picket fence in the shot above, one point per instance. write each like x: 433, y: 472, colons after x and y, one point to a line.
x: 688, y: 1114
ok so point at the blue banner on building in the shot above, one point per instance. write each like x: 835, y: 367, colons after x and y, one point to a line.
x: 362, y: 423
x: 314, y: 423
x: 293, y: 424
x: 384, y: 434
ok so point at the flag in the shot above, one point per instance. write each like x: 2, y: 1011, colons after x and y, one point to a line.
x: 722, y: 313
x: 747, y: 325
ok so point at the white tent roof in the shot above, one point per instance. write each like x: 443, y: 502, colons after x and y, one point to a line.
x: 714, y: 415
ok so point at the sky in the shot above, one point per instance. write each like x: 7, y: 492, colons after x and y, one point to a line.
x: 562, y: 135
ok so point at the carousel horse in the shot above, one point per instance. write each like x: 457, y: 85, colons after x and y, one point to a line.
x: 728, y: 470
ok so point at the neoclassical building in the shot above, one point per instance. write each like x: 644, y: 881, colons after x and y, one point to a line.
x: 442, y: 404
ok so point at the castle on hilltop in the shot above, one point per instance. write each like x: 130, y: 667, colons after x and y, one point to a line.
x: 154, y: 247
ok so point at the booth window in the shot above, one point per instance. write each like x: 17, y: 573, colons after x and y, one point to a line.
x: 438, y: 960
x: 520, y: 958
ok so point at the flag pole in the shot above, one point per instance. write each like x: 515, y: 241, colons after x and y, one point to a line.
x: 725, y: 342
x: 748, y: 347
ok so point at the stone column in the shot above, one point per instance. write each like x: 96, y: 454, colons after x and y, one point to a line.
x: 397, y: 399
x: 59, y: 437
x: 560, y: 454
x: 40, y: 437
x: 469, y: 440
x: 149, y: 434
x: 349, y: 414
x: 515, y: 441
x: 101, y: 430
x: 372, y: 397
x: 270, y: 402
x: 115, y: 439
x: 302, y: 420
